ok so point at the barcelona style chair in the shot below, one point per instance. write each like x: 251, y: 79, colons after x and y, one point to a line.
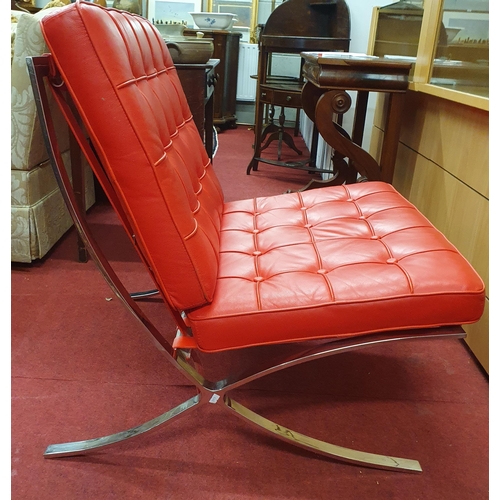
x: 316, y: 273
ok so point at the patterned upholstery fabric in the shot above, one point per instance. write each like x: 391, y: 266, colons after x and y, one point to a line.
x: 38, y: 214
x: 333, y: 262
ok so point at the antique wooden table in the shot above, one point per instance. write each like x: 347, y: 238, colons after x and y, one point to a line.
x: 328, y: 76
x: 293, y: 27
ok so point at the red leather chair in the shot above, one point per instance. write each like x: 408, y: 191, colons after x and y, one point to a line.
x: 352, y: 265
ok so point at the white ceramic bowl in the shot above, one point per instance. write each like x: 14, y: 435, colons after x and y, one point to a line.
x: 213, y: 20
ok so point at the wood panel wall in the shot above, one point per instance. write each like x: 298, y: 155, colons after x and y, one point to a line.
x: 442, y: 167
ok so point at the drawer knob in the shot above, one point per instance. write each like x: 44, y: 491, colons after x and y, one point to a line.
x: 288, y: 98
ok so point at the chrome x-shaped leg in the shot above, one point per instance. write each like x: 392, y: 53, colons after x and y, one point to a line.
x: 216, y: 393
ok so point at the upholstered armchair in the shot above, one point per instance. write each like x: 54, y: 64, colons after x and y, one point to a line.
x: 39, y: 216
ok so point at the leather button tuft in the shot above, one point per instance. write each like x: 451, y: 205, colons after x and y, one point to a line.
x: 258, y: 279
x: 362, y: 217
x: 303, y: 208
x: 321, y: 271
x: 374, y: 237
x: 308, y: 225
x: 391, y: 261
x: 257, y: 253
x: 255, y: 231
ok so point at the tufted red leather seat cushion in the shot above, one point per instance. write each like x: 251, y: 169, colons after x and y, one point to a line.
x: 331, y: 262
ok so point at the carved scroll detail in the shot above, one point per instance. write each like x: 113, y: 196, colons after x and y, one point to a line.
x: 340, y: 141
x: 340, y: 102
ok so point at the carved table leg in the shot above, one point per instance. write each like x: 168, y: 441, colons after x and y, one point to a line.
x: 279, y: 134
x: 320, y: 105
x: 271, y: 126
x: 360, y: 117
x: 332, y: 102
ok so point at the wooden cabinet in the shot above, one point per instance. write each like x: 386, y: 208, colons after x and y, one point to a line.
x: 226, y: 49
x: 443, y: 155
x: 198, y: 83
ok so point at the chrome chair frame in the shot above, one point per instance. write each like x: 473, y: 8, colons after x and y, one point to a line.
x: 181, y: 353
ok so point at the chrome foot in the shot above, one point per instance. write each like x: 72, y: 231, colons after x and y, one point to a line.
x: 331, y: 450
x: 82, y: 447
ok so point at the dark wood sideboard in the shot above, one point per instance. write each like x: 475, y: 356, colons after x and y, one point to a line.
x: 226, y: 49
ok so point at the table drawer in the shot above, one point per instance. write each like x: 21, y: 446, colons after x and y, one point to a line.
x: 281, y: 97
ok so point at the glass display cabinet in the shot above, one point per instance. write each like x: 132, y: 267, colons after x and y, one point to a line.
x: 397, y: 28
x: 447, y: 40
x: 462, y: 62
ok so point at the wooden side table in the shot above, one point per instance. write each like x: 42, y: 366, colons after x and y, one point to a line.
x: 282, y: 91
x: 328, y: 76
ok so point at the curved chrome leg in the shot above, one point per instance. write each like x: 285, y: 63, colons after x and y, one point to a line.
x: 146, y: 293
x: 83, y: 447
x: 330, y: 450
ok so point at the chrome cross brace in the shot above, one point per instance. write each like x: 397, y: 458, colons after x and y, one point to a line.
x: 216, y: 393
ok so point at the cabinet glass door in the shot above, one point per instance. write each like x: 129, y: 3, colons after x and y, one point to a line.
x: 461, y: 60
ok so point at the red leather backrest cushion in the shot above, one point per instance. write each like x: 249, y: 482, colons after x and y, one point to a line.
x: 121, y: 76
